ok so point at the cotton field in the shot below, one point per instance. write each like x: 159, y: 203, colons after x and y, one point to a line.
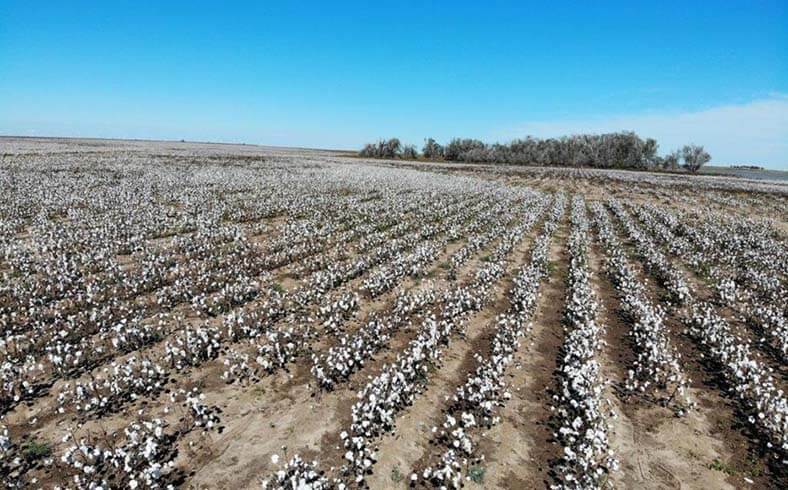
x: 179, y: 315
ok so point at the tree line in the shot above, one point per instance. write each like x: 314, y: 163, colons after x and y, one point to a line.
x: 624, y: 150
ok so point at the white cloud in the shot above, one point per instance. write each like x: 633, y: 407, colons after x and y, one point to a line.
x: 755, y: 132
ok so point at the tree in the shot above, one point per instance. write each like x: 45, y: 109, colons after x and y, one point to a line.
x: 409, y: 152
x: 460, y: 149
x: 390, y: 148
x: 694, y: 157
x: 369, y: 151
x: 671, y: 160
x: 650, y: 152
x: 623, y: 149
x: 432, y: 150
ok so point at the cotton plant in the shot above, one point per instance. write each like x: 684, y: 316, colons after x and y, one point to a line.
x: 142, y: 460
x: 353, y: 350
x: 401, y: 381
x: 656, y: 372
x: 474, y: 405
x: 114, y: 386
x: 751, y: 382
x: 743, y: 260
x: 579, y: 404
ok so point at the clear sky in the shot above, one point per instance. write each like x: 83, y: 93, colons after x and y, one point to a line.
x: 320, y: 74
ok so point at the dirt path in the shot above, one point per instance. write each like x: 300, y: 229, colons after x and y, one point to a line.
x: 246, y: 409
x: 652, y: 445
x: 405, y: 447
x: 722, y: 443
x: 520, y: 448
x: 287, y: 410
x: 400, y: 451
x: 762, y: 351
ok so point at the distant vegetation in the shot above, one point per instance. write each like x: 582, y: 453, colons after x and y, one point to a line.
x: 625, y: 150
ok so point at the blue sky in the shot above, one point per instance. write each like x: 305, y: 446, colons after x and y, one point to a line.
x: 323, y: 75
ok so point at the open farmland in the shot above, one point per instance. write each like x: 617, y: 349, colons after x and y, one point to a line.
x: 233, y: 316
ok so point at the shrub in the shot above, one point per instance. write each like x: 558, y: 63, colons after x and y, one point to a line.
x: 35, y: 450
x: 694, y: 157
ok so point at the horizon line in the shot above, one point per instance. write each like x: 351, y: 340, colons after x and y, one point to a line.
x: 330, y: 150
